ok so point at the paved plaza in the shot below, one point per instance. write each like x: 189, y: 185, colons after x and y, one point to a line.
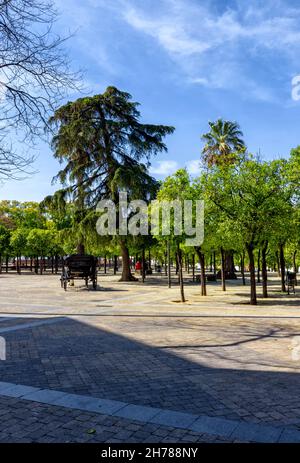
x: 130, y: 363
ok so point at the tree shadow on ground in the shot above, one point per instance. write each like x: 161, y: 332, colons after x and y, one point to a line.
x: 282, y: 299
x: 223, y: 378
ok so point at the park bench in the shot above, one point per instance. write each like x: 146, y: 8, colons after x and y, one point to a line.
x: 291, y: 281
x: 78, y: 266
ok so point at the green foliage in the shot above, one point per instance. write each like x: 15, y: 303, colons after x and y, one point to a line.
x: 4, y: 240
x: 18, y: 241
x: 41, y: 242
x: 252, y: 195
x: 22, y: 214
x: 102, y: 143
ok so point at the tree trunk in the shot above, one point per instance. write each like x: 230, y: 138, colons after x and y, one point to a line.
x: 19, y: 265
x: 193, y: 266
x: 180, y: 274
x: 295, y: 265
x: 223, y: 270
x: 203, y: 277
x: 56, y: 264
x: 126, y: 272
x: 105, y: 265
x: 229, y: 265
x: 264, y: 272
x: 243, y: 268
x: 166, y: 262
x: 258, y: 267
x: 80, y: 248
x: 0, y: 264
x: 169, y: 264
x: 6, y: 264
x: 282, y: 266
x: 250, y: 248
x: 278, y: 263
x: 201, y: 258
x: 214, y: 260
x: 41, y: 265
x: 143, y: 265
x: 294, y: 261
x: 115, y: 264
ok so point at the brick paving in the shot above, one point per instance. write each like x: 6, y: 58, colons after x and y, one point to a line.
x: 24, y: 421
x: 213, y: 356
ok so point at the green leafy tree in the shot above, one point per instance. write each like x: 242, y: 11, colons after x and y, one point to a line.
x: 18, y: 243
x: 23, y: 214
x: 175, y: 188
x: 40, y: 243
x: 4, y: 243
x: 254, y: 196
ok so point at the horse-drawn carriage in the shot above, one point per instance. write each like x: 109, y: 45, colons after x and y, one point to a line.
x: 291, y: 281
x: 79, y: 267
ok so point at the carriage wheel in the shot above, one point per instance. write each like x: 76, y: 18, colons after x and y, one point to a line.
x: 95, y: 283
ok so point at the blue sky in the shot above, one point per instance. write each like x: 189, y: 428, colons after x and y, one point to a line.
x: 186, y: 62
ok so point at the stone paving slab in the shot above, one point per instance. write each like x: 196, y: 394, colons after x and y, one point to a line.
x: 46, y: 396
x: 289, y: 436
x: 257, y: 433
x: 217, y: 426
x: 89, y: 403
x: 18, y: 390
x: 138, y: 412
x: 176, y: 419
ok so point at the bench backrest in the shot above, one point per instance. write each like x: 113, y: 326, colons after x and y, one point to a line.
x: 291, y: 276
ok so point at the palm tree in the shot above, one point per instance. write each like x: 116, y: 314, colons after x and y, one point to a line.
x: 223, y: 143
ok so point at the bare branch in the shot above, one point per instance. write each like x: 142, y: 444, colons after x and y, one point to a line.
x: 35, y: 74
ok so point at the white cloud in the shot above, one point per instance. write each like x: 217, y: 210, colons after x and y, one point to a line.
x: 164, y: 168
x: 193, y: 166
x: 211, y: 45
x: 214, y: 48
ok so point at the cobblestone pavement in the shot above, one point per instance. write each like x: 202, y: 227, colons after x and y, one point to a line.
x: 213, y: 356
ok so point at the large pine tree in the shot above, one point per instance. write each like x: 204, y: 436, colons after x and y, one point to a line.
x: 103, y: 146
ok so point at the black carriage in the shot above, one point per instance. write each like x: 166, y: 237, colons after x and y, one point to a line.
x: 79, y: 267
x: 291, y: 281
